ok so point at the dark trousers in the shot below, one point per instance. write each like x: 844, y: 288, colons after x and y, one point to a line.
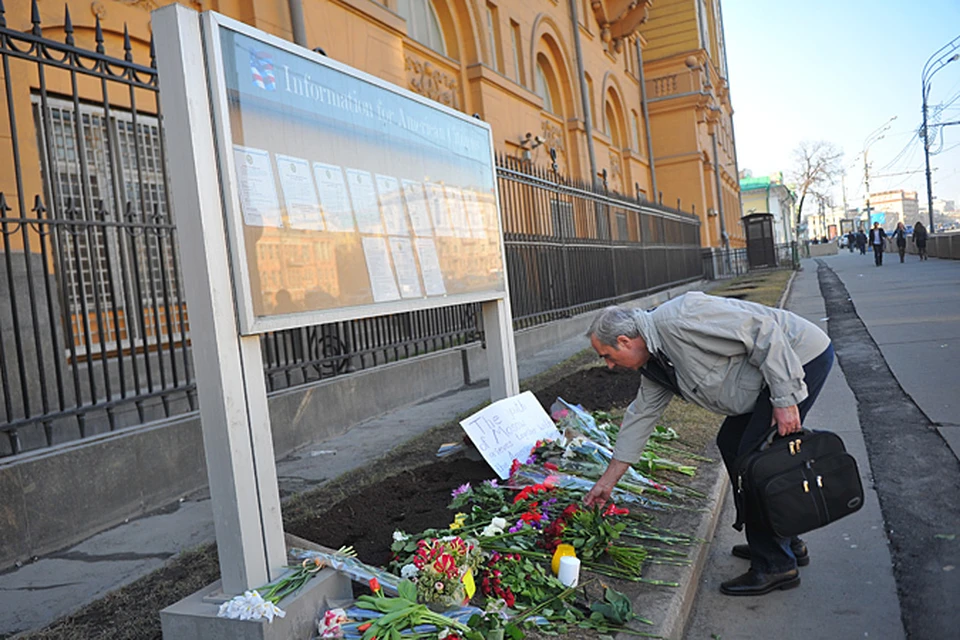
x: 878, y: 254
x: 769, y: 553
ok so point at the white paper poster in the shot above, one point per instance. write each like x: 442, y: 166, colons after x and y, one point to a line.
x: 417, y: 206
x: 382, y: 283
x: 299, y: 195
x: 430, y: 267
x: 458, y: 213
x: 474, y: 213
x: 508, y: 429
x: 401, y: 249
x: 391, y: 204
x: 365, y: 205
x: 437, y: 202
x: 258, y: 191
x: 333, y: 197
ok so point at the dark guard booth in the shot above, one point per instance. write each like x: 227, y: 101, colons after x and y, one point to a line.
x: 758, y: 228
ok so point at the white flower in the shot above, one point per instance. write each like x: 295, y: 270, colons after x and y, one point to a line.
x: 250, y: 606
x: 400, y: 536
x: 409, y: 571
x: 500, y: 523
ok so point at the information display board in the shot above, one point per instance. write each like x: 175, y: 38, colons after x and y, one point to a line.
x: 346, y: 196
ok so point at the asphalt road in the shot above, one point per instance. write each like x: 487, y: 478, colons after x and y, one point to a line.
x: 893, y: 569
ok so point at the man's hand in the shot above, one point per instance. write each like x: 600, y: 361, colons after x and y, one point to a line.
x: 787, y: 420
x: 601, y: 491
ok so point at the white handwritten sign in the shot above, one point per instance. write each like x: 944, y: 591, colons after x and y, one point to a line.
x: 508, y: 429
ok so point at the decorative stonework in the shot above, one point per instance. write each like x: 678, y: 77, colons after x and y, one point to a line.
x: 552, y: 136
x: 425, y: 78
x: 665, y: 85
x: 616, y: 168
x: 619, y: 19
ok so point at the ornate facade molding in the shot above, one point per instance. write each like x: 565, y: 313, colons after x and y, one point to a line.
x: 552, y: 136
x: 616, y: 165
x: 619, y: 19
x: 427, y: 79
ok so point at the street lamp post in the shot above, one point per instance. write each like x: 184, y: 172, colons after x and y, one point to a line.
x: 875, y: 136
x: 937, y: 61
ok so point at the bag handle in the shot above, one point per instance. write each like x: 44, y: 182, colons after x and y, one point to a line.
x: 770, y: 437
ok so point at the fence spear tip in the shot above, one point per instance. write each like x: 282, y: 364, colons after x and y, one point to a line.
x: 35, y: 18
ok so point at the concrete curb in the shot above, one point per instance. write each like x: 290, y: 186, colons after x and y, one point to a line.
x: 680, y: 606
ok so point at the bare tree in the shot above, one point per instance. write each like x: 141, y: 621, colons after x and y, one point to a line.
x: 816, y: 167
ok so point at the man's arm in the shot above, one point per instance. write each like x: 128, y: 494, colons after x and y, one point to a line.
x: 601, y: 491
x: 638, y: 423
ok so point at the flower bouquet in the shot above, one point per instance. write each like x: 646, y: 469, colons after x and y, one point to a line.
x: 442, y: 570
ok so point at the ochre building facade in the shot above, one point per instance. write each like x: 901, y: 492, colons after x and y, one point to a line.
x: 514, y: 64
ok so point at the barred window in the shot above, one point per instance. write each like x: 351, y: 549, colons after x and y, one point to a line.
x: 104, y: 265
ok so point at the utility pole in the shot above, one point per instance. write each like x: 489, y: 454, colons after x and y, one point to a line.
x: 866, y: 183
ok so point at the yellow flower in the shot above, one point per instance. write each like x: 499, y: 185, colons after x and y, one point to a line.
x: 458, y: 521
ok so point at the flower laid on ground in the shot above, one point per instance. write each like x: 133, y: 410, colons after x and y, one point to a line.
x: 441, y: 564
x: 405, y: 612
x: 331, y: 624
x: 250, y: 606
x: 254, y: 605
x: 458, y: 521
x: 495, y: 528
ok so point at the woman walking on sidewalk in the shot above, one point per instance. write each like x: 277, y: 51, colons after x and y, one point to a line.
x: 900, y: 236
x: 920, y: 239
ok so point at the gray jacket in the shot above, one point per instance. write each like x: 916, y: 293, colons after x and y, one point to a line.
x: 723, y: 351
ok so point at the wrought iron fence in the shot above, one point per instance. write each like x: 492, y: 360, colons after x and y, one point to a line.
x: 571, y: 247
x: 729, y: 263
x: 94, y: 330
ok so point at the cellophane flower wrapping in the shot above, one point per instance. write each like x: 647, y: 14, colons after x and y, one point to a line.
x: 438, y: 567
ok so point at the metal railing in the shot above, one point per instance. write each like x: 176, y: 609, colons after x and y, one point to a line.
x: 94, y: 330
x: 571, y: 247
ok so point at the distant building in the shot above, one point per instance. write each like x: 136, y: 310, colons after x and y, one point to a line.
x: 899, y: 206
x: 768, y: 194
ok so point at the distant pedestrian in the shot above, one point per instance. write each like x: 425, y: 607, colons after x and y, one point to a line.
x: 851, y: 240
x: 900, y: 237
x: 878, y: 238
x: 920, y: 239
x: 861, y: 241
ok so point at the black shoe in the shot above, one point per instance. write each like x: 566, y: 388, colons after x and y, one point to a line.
x: 799, y: 551
x: 756, y: 584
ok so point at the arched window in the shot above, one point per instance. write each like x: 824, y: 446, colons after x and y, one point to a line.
x: 542, y: 84
x: 611, y: 126
x: 423, y: 25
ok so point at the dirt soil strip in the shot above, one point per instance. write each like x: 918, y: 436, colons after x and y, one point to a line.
x: 916, y: 475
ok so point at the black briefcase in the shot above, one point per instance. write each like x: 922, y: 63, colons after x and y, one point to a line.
x: 798, y: 483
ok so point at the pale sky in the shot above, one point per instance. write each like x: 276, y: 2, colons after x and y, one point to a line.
x: 838, y: 71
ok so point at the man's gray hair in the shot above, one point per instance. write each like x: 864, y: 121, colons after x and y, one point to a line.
x: 612, y: 322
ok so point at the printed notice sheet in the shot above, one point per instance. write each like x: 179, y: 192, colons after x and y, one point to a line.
x: 382, y: 283
x: 417, y: 206
x: 391, y: 205
x: 438, y: 209
x: 258, y: 191
x: 303, y: 208
x: 508, y: 429
x: 474, y: 213
x: 365, y: 204
x: 458, y: 214
x: 401, y: 249
x: 430, y: 267
x: 333, y: 197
